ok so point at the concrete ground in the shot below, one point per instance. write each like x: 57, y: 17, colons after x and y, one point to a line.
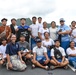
x: 37, y: 71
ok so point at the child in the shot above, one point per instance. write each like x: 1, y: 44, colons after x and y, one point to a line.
x: 2, y: 51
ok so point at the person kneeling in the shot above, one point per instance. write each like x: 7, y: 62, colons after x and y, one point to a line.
x: 14, y: 59
x: 40, y: 57
x: 58, y: 57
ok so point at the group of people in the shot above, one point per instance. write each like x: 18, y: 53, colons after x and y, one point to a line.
x: 48, y: 48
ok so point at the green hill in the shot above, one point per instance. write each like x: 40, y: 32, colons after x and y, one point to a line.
x: 28, y: 21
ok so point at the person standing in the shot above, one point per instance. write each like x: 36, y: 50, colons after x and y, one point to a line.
x: 13, y: 26
x: 42, y: 31
x: 73, y: 32
x: 48, y: 43
x: 73, y: 24
x: 5, y: 31
x: 53, y: 31
x: 23, y: 29
x: 34, y: 32
x: 40, y: 22
x: 63, y: 32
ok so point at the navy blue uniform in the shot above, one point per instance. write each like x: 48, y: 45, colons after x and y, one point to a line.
x: 12, y: 49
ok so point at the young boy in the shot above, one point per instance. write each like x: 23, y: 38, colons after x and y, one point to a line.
x: 2, y: 51
x: 24, y: 48
x: 40, y: 57
x: 58, y: 56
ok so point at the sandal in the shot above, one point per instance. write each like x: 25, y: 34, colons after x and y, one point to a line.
x: 52, y: 67
x: 7, y: 66
x: 66, y: 67
x: 33, y: 66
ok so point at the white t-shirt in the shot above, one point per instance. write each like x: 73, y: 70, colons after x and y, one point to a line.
x: 34, y: 29
x: 53, y: 33
x: 60, y: 49
x: 48, y: 43
x: 39, y: 51
x: 3, y: 50
x: 74, y: 34
x: 15, y: 27
x: 42, y: 31
x: 40, y: 25
x: 70, y: 51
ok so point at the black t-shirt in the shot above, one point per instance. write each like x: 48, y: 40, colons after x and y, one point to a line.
x: 12, y: 29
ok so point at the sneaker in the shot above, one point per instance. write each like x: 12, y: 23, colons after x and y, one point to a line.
x: 46, y: 67
x: 66, y: 67
x: 33, y: 66
x: 7, y: 66
x: 74, y: 63
x: 52, y: 67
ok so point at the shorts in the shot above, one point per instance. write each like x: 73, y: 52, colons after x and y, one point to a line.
x: 59, y: 60
x: 40, y: 59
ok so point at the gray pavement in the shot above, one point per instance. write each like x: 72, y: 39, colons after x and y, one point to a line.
x: 37, y: 71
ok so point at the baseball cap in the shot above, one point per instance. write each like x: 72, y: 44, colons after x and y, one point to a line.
x: 62, y: 20
x: 38, y: 40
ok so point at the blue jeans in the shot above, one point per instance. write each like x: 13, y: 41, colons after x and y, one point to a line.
x: 33, y: 43
x: 59, y: 60
x: 75, y: 44
x: 65, y: 44
x: 72, y: 61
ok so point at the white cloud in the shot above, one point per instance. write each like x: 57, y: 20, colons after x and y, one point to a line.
x: 48, y: 9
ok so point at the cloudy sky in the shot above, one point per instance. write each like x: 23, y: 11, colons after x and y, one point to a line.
x: 49, y: 10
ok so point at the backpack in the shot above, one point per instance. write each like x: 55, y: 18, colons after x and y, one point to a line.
x: 57, y: 54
